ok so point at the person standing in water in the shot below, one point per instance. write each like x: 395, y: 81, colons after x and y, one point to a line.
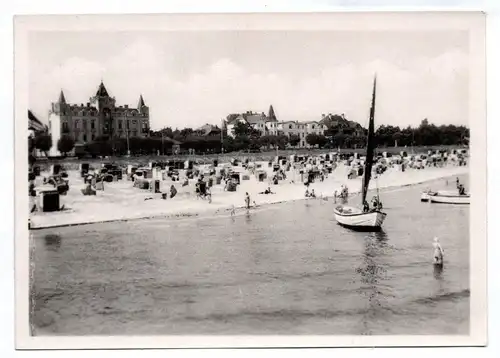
x: 438, y: 252
x: 247, y: 200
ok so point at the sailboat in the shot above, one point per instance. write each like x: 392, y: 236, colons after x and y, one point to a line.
x: 358, y: 218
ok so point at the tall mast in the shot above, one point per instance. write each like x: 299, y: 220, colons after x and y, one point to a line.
x: 370, y: 146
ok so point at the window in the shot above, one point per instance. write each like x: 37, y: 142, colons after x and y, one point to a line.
x: 134, y: 122
x: 289, y: 126
x: 84, y: 124
x: 84, y: 137
x: 120, y: 124
x: 92, y: 124
x: 313, y: 126
x: 93, y: 136
x: 65, y: 127
x: 76, y: 123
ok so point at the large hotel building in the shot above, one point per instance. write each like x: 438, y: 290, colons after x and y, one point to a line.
x: 100, y: 117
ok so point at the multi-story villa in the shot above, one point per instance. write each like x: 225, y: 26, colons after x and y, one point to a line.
x: 301, y: 129
x: 100, y: 117
x: 266, y: 125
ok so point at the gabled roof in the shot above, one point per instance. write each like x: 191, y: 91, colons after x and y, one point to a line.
x: 254, y: 118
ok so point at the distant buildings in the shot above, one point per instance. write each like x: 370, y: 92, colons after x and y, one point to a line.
x: 269, y: 125
x: 208, y: 130
x: 35, y: 125
x: 302, y: 130
x: 339, y: 124
x: 100, y: 117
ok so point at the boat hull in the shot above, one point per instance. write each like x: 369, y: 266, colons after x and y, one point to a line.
x: 359, y: 221
x: 425, y: 197
x: 450, y: 199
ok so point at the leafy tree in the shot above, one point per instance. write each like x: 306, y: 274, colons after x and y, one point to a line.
x: 186, y: 131
x: 282, y: 141
x: 338, y: 139
x: 265, y: 141
x: 322, y: 141
x: 294, y: 140
x: 166, y: 132
x: 312, y: 139
x: 65, y: 144
x: 242, y: 129
x: 43, y: 142
x: 228, y: 144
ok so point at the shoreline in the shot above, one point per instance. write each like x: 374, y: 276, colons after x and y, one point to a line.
x: 218, y: 210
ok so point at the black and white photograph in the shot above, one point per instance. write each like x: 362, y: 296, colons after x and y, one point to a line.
x: 246, y: 178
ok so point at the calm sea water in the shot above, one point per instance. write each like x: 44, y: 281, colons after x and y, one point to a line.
x: 284, y: 269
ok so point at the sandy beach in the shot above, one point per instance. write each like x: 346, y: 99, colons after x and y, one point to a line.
x: 121, y: 201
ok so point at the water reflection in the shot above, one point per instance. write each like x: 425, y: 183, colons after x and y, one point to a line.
x: 438, y: 272
x: 52, y: 242
x: 372, y: 272
x: 248, y: 217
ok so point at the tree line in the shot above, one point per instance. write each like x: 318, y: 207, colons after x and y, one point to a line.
x: 246, y: 138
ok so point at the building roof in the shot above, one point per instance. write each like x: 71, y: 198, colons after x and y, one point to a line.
x: 233, y: 118
x: 206, y: 129
x: 271, y: 116
x: 254, y: 118
x: 141, y: 102
x: 62, y: 99
x: 34, y: 123
x: 101, y: 91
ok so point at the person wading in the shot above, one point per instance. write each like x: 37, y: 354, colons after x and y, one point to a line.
x: 438, y: 252
x: 247, y: 200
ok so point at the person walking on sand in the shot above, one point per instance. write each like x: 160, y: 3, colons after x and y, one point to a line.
x: 438, y: 252
x: 247, y: 200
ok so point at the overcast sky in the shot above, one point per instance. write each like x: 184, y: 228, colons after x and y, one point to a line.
x: 191, y: 78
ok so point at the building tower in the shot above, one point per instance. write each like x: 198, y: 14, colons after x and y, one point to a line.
x: 271, y: 116
x: 143, y: 112
x: 105, y: 106
x: 57, y: 124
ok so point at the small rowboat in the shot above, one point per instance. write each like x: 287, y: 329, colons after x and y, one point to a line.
x: 356, y: 219
x: 449, y: 198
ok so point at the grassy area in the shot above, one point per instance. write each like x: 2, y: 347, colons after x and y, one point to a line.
x: 73, y: 163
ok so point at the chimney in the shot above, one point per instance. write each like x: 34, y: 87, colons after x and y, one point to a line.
x: 323, y: 115
x: 126, y: 106
x: 88, y: 104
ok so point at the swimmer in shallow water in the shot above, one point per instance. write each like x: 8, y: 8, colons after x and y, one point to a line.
x: 438, y: 252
